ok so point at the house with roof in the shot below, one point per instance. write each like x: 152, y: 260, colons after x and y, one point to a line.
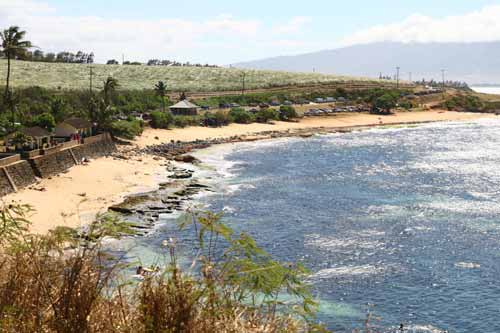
x: 184, y: 108
x: 74, y: 129
x: 30, y: 138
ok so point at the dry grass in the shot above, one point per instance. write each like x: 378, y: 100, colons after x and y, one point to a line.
x: 64, y: 282
x: 191, y: 79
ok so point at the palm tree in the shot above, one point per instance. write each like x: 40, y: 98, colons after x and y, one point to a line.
x: 161, y: 90
x: 13, y: 45
x: 110, y: 86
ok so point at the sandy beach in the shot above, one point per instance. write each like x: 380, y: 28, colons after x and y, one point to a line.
x: 337, y: 121
x: 75, y: 197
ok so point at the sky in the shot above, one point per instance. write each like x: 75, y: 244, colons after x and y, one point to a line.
x: 228, y: 31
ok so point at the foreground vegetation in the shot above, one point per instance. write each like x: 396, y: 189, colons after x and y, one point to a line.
x: 66, y: 282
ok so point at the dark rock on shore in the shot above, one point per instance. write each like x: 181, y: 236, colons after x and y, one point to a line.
x: 121, y: 210
x: 186, y: 159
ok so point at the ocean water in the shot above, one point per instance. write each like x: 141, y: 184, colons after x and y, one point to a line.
x: 487, y: 90
x: 401, y: 222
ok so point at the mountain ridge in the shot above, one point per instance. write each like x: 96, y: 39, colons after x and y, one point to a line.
x: 474, y: 63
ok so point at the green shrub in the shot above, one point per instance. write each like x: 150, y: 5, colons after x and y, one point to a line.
x: 287, y: 113
x: 385, y: 103
x: 406, y: 105
x: 468, y: 103
x: 127, y: 129
x: 45, y: 120
x: 264, y: 115
x: 241, y: 116
x: 217, y: 119
x: 161, y: 119
x: 185, y: 121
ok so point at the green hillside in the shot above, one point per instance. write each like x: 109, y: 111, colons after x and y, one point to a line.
x: 190, y: 79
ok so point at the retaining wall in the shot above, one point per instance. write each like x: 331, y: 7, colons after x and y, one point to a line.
x: 5, y: 186
x: 51, y: 164
x: 23, y: 173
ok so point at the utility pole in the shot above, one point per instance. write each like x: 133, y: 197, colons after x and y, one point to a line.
x: 243, y: 83
x: 397, y: 77
x: 91, y: 73
x: 442, y: 75
x: 409, y: 74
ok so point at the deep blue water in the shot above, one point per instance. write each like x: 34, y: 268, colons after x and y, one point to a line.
x: 404, y: 219
x: 402, y: 222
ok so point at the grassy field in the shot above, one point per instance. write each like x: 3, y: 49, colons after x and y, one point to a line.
x: 189, y: 79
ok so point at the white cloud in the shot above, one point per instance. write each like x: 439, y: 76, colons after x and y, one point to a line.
x: 481, y: 25
x: 295, y: 25
x: 221, y: 39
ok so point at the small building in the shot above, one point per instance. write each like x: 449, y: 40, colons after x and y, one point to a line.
x: 184, y: 108
x: 74, y: 129
x: 30, y: 138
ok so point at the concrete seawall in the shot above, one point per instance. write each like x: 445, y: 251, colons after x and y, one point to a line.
x: 20, y: 174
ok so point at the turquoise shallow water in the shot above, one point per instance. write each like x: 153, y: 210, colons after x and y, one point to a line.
x: 402, y: 222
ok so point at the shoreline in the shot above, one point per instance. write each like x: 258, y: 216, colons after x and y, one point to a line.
x: 74, y: 198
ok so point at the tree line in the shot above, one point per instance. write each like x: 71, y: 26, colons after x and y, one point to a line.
x: 157, y: 62
x: 79, y: 57
x: 448, y: 84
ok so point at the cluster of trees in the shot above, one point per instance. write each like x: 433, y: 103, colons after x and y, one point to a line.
x: 466, y: 103
x: 79, y: 57
x: 385, y: 77
x: 448, y: 84
x: 157, y: 62
x: 222, y: 118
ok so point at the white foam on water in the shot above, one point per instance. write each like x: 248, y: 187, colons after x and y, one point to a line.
x: 215, y: 158
x: 361, y: 270
x: 228, y: 209
x: 332, y: 243
x: 423, y: 329
x: 371, y: 233
x: 467, y: 265
x: 462, y: 206
x: 418, y: 228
